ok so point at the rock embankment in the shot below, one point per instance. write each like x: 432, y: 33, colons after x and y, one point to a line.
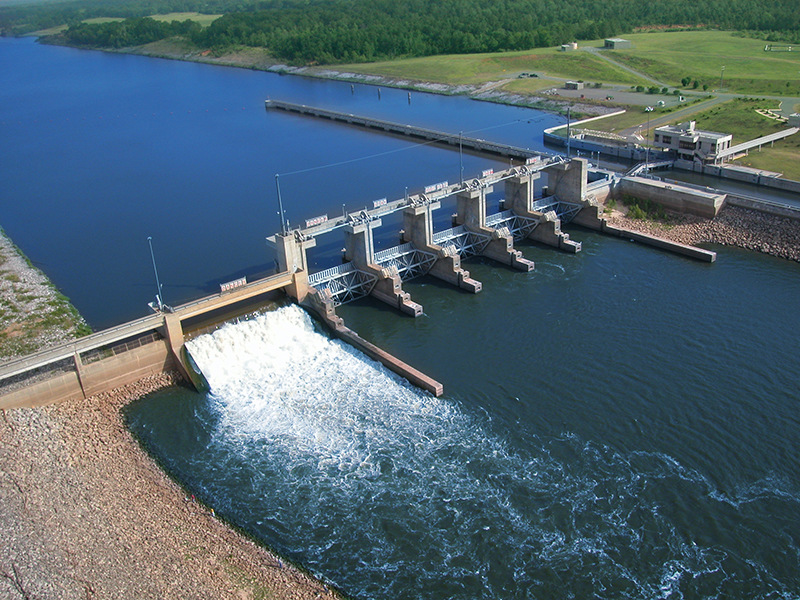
x: 733, y: 226
x: 33, y: 315
x: 86, y: 513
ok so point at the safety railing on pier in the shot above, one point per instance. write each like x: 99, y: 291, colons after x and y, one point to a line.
x: 451, y: 139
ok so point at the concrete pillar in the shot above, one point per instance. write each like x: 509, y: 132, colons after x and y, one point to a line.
x: 568, y: 180
x: 173, y: 332
x: 471, y: 208
x: 520, y: 192
x: 471, y: 213
x: 291, y: 253
x: 418, y: 229
x: 78, y: 371
x: 360, y: 250
x: 520, y: 199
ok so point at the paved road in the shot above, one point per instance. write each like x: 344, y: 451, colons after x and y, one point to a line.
x: 602, y: 55
x: 787, y: 105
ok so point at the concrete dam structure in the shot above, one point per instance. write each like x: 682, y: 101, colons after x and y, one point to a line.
x: 154, y: 344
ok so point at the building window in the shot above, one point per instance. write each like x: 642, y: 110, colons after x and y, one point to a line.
x: 687, y: 145
x: 667, y: 139
x: 655, y: 137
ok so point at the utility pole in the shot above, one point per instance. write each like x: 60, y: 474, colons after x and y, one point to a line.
x: 568, y: 131
x: 280, y: 206
x: 461, y: 155
x: 155, y: 270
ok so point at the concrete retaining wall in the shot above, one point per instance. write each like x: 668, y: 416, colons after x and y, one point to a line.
x: 657, y: 242
x: 127, y: 367
x: 392, y: 363
x: 672, y: 196
x: 771, y: 208
x: 636, y: 154
x: 736, y: 173
x: 100, y: 376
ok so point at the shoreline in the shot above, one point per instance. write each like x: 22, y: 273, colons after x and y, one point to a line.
x: 734, y: 226
x: 34, y: 314
x: 87, y: 512
x: 257, y: 60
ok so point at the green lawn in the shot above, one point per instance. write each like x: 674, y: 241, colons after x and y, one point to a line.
x: 204, y: 20
x: 783, y: 158
x: 671, y: 56
x: 739, y: 118
x: 477, y: 69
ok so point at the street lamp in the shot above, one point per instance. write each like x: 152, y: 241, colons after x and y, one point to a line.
x: 647, y: 147
x: 721, y: 77
x: 280, y: 206
x: 155, y: 270
x: 461, y: 155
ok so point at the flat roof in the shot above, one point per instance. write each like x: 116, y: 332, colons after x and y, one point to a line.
x: 678, y: 130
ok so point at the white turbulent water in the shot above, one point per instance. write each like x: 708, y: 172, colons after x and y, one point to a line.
x: 389, y: 492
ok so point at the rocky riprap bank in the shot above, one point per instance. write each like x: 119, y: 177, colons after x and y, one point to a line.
x: 33, y: 315
x: 86, y: 513
x: 733, y: 226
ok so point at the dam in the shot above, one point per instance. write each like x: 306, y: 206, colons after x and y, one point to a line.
x: 573, y: 194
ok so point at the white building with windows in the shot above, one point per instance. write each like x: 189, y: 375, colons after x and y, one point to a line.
x: 691, y: 144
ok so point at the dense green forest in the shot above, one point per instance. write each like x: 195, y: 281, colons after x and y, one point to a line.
x: 332, y: 31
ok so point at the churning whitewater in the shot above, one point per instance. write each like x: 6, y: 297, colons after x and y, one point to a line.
x: 389, y: 492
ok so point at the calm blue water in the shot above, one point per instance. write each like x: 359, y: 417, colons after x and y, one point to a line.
x: 620, y: 423
x: 102, y: 150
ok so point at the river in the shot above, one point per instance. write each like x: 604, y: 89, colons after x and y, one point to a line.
x: 618, y: 423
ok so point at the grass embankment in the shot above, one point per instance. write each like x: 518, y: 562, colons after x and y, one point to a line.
x: 783, y: 157
x: 478, y: 69
x: 33, y: 313
x: 670, y: 57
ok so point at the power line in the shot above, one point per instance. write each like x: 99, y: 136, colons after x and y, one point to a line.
x: 411, y: 147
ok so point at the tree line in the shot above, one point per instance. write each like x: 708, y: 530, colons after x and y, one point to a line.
x: 336, y: 31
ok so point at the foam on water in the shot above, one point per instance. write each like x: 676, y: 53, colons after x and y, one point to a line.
x: 389, y: 492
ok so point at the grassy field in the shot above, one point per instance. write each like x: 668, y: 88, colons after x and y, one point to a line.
x: 204, y: 20
x: 784, y: 158
x: 739, y: 117
x: 477, y: 69
x: 671, y: 56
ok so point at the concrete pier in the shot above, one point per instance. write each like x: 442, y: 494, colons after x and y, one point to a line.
x: 359, y: 249
x: 451, y: 139
x: 471, y: 213
x: 418, y: 229
x: 520, y: 199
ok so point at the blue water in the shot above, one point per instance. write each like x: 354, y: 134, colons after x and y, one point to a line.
x: 604, y: 433
x: 105, y: 150
x: 619, y: 423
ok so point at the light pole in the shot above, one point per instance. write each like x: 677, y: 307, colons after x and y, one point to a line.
x: 280, y: 206
x: 721, y: 77
x: 461, y: 155
x: 568, y: 130
x: 155, y: 270
x: 647, y: 147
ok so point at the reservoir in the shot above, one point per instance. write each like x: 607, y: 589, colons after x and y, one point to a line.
x: 618, y: 423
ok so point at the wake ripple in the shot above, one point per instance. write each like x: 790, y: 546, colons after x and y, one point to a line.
x: 389, y: 492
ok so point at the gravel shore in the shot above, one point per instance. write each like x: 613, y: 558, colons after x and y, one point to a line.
x: 86, y: 513
x: 33, y: 315
x: 733, y: 226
